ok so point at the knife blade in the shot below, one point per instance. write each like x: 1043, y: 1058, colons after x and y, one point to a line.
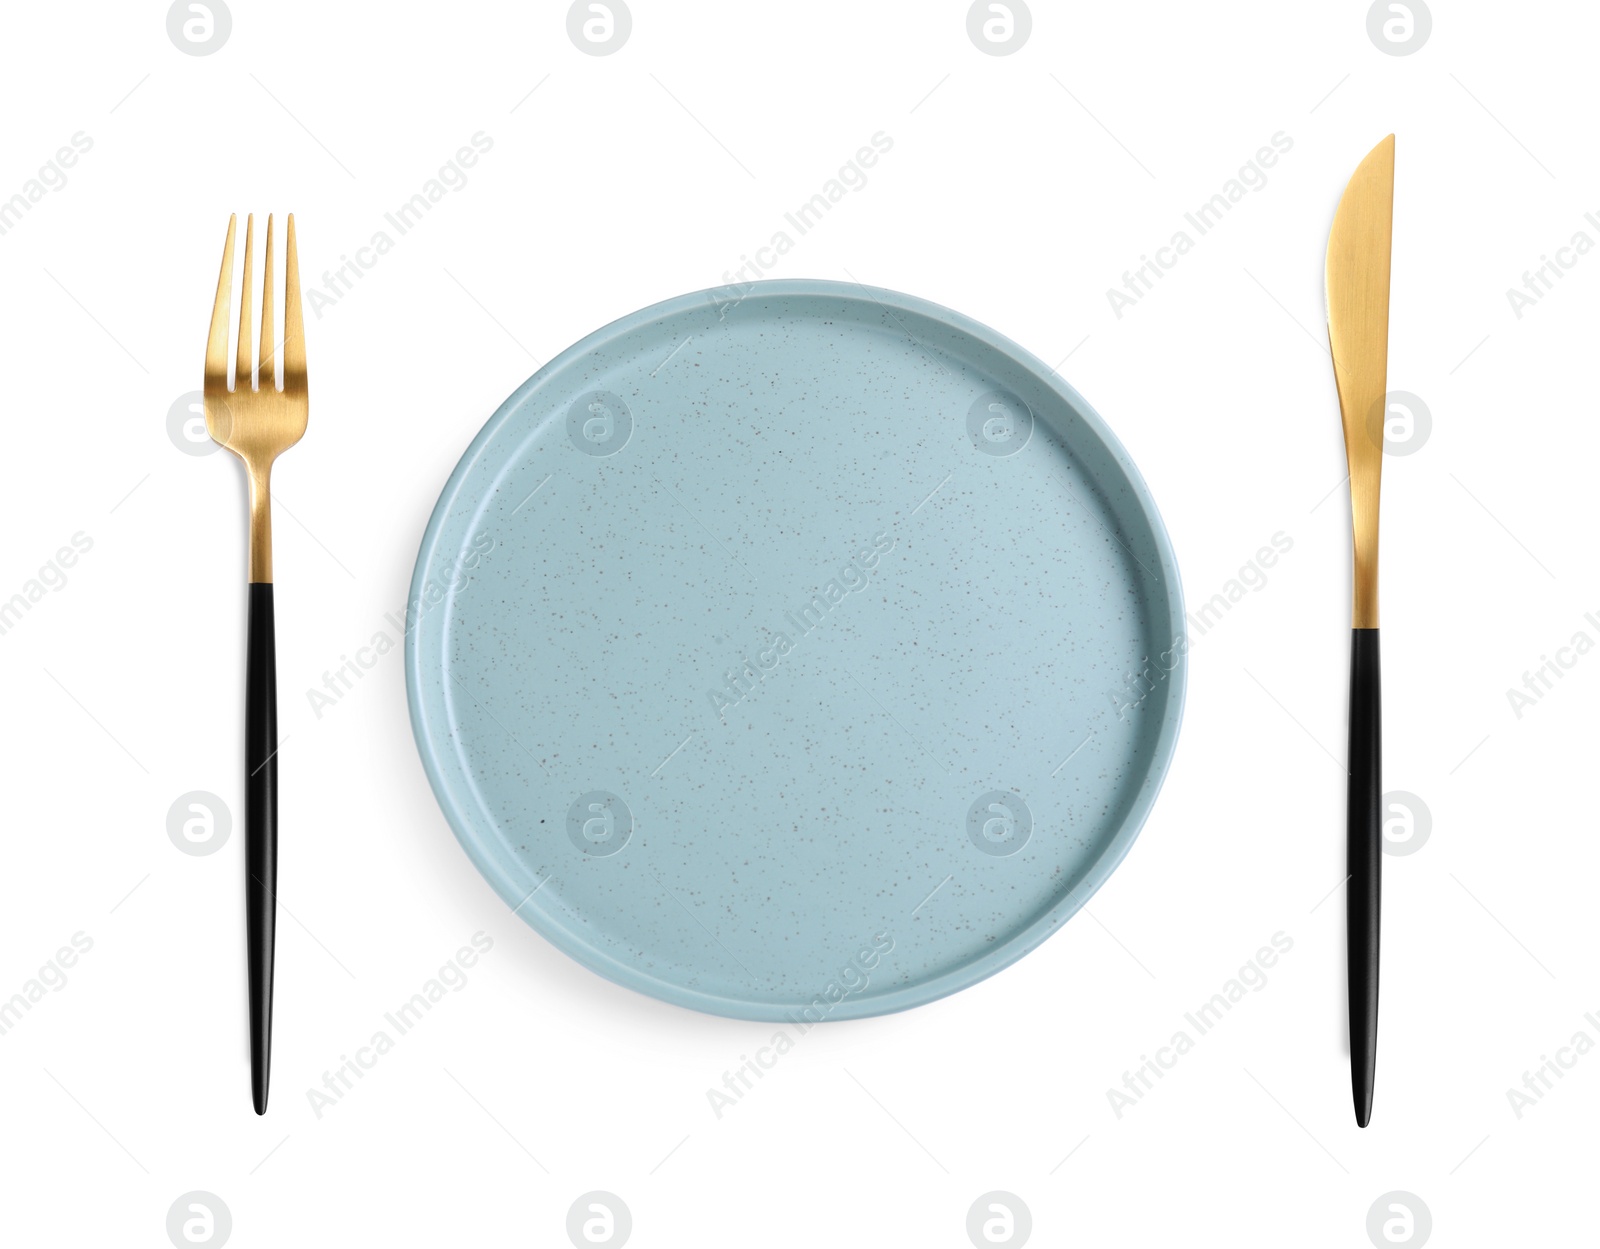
x: 1358, y: 334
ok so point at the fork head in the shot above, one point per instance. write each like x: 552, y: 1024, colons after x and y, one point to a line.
x: 255, y: 419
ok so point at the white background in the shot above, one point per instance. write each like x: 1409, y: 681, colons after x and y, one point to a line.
x: 1019, y: 188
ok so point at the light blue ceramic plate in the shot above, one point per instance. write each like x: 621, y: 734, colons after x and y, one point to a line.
x: 811, y: 652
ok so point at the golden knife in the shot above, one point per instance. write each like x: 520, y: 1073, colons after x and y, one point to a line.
x: 1358, y: 332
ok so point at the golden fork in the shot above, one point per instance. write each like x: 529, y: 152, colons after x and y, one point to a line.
x: 258, y: 422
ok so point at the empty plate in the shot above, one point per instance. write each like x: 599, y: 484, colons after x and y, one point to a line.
x: 796, y: 650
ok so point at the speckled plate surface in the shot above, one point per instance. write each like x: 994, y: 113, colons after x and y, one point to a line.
x: 815, y: 652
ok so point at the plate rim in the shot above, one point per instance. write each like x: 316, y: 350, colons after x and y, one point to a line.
x: 924, y: 991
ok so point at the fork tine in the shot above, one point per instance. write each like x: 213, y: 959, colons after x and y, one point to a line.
x: 294, y: 330
x: 242, y: 379
x: 217, y: 343
x: 267, y: 370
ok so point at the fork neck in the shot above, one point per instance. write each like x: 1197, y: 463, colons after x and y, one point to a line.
x: 260, y: 522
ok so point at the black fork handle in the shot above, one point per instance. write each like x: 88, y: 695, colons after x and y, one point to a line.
x: 1363, y: 901
x: 261, y: 829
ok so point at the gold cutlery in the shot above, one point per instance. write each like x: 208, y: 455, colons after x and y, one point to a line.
x: 258, y: 421
x: 1358, y: 333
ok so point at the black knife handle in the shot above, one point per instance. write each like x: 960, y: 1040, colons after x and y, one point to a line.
x: 261, y: 829
x: 1363, y: 899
